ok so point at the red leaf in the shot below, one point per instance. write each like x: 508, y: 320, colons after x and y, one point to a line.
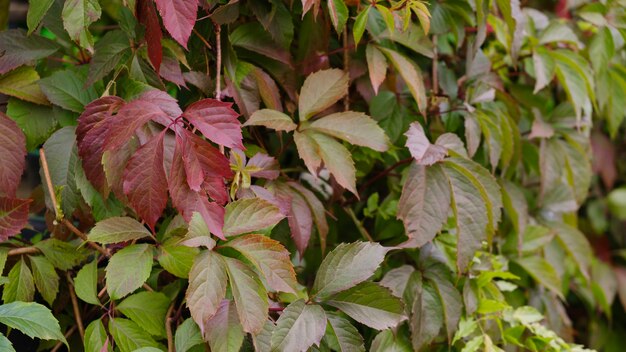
x: 166, y: 102
x: 187, y: 201
x: 12, y: 155
x: 217, y: 121
x: 214, y: 163
x: 170, y: 70
x: 146, y: 14
x: 145, y: 183
x: 193, y: 169
x: 129, y: 118
x: 179, y: 17
x: 91, y: 131
x: 13, y: 216
x: 216, y: 189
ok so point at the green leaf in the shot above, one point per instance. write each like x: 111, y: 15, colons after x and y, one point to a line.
x: 424, y: 203
x: 5, y: 344
x: 426, y: 319
x: 62, y: 255
x: 576, y: 246
x: 451, y: 301
x: 411, y: 74
x: 270, y: 258
x: 544, y: 68
x: 251, y: 214
x: 62, y: 157
x: 263, y: 340
x: 129, y: 336
x: 77, y: 16
x: 540, y: 270
x: 388, y: 341
x: 46, y: 278
x: 342, y: 125
x: 249, y: 294
x: 32, y: 319
x: 110, y: 50
x: 337, y: 159
x: 22, y: 83
x: 575, y: 75
x: 320, y: 91
x: 299, y: 327
x: 273, y: 119
x: 370, y: 304
x: 207, y: 287
x: 86, y: 283
x: 346, y: 266
x: 514, y: 18
x: 476, y: 203
x: 19, y: 49
x: 66, y: 89
x: 21, y: 286
x: 37, y: 9
x: 118, y: 229
x: 36, y: 121
x: 601, y: 49
x: 148, y: 310
x: 251, y: 36
x: 344, y: 335
x: 397, y: 279
x: 128, y: 269
x: 338, y: 12
x: 359, y: 25
x: 198, y: 233
x: 175, y: 258
x: 224, y: 331
x: 96, y: 337
x: 187, y: 336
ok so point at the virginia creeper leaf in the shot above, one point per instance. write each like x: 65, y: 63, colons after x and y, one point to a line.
x: 342, y: 125
x: 179, y: 17
x: 247, y: 215
x: 321, y: 90
x: 207, y: 287
x: 224, y: 332
x: 299, y: 327
x: 12, y: 157
x: 249, y: 294
x: 128, y: 269
x: 217, y: 121
x: 146, y: 309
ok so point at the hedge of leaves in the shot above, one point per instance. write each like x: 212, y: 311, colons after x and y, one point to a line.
x: 331, y: 175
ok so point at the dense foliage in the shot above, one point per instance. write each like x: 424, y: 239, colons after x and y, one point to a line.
x: 330, y: 175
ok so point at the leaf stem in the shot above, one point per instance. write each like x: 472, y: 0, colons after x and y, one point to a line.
x: 168, y: 328
x: 359, y: 224
x: 77, y: 317
x: 68, y: 333
x: 24, y: 250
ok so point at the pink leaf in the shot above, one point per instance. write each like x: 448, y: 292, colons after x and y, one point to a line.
x: 13, y: 216
x: 145, y: 183
x: 12, y: 155
x: 164, y: 101
x: 129, y: 118
x: 217, y: 121
x: 213, y: 163
x: 179, y: 17
x: 193, y: 167
x: 216, y: 189
x: 91, y: 131
x: 267, y: 166
x: 420, y: 148
x: 146, y: 14
x: 170, y: 70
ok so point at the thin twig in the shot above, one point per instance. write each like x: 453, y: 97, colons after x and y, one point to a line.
x: 384, y: 173
x: 24, y: 250
x: 83, y: 237
x: 102, y: 292
x: 46, y: 173
x: 77, y: 317
x: 147, y: 287
x: 435, y: 74
x: 168, y: 328
x: 218, y: 64
x: 358, y: 224
x: 68, y: 333
x: 346, y: 68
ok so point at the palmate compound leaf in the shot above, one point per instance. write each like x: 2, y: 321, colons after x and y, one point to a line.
x: 128, y: 269
x: 321, y: 90
x: 270, y: 258
x: 31, y: 319
x: 249, y: 294
x: 224, y: 331
x: 179, y: 17
x: 370, y: 304
x: 424, y: 203
x: 299, y: 327
x: 117, y: 229
x: 252, y: 214
x: 346, y: 266
x: 344, y: 336
x: 207, y: 287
